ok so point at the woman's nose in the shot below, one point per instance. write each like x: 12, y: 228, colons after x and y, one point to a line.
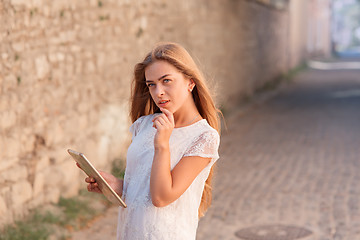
x: 159, y: 90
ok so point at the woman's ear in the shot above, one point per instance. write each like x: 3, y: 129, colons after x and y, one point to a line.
x: 191, y: 85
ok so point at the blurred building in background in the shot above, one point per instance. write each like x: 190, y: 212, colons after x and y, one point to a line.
x: 346, y: 28
x: 66, y: 69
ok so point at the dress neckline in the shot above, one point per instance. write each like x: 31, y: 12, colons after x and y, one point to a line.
x: 188, y: 126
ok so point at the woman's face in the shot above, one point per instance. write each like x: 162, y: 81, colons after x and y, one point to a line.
x: 168, y: 87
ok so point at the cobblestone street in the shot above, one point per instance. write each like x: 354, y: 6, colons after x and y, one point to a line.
x: 293, y: 160
x: 290, y: 161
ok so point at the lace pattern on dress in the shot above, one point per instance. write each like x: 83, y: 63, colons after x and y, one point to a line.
x: 134, y: 128
x: 205, y: 145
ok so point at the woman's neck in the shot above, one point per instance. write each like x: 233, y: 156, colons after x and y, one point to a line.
x: 186, y: 116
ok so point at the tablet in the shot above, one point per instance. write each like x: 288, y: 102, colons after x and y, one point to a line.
x: 88, y: 168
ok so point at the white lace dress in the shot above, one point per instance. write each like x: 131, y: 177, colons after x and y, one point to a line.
x: 141, y: 220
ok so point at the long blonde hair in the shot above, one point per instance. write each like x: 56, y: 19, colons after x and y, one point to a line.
x: 142, y: 103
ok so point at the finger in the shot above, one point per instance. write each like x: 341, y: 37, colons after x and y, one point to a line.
x: 158, y: 116
x: 162, y: 121
x: 165, y: 119
x: 93, y: 187
x: 154, y: 125
x: 168, y: 114
x: 157, y: 124
x: 78, y: 165
x: 90, y: 180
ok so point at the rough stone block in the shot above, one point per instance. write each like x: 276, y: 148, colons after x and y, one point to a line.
x: 61, y: 4
x: 54, y: 134
x: 75, y: 48
x: 56, y: 57
x: 7, y: 119
x: 37, y: 201
x: 69, y: 68
x: 10, y: 82
x: 53, y: 176
x: 114, y: 124
x: 74, y: 121
x: 54, y: 40
x: 68, y: 36
x: 52, y: 195
x: 11, y: 147
x: 2, y: 145
x: 19, y: 212
x: 26, y: 3
x: 42, y: 163
x: 38, y: 186
x: 79, y: 67
x: 27, y: 65
x: 4, y: 213
x: 5, y: 193
x: 14, y: 174
x: 7, y: 163
x: 21, y: 192
x: 90, y: 149
x: 3, y: 207
x: 69, y: 184
x: 18, y: 46
x: 38, y: 3
x: 4, y: 56
x: 27, y: 141
x: 90, y: 66
x: 59, y: 155
x: 42, y: 66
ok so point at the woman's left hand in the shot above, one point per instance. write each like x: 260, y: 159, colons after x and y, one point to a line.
x: 164, y: 123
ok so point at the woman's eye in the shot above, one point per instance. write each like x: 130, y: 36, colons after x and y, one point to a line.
x: 166, y: 80
x: 150, y: 84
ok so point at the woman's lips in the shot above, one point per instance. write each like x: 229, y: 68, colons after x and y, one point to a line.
x: 163, y: 103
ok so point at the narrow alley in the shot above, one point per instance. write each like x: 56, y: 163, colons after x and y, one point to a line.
x: 293, y: 161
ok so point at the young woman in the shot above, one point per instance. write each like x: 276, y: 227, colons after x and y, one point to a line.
x: 175, y: 140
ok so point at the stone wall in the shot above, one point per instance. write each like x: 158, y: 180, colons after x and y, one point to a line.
x: 65, y: 71
x: 309, y: 30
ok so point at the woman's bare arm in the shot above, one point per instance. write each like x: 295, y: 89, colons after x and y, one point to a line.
x: 165, y: 185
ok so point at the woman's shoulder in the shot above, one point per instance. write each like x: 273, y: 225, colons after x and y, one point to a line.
x: 206, y: 128
x: 210, y: 133
x: 145, y: 117
x: 202, y: 129
x: 204, y: 142
x: 140, y: 122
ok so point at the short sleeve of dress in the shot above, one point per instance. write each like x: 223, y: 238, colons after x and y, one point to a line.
x: 136, y: 126
x: 206, y: 145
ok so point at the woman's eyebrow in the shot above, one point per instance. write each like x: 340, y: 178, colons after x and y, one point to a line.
x: 146, y: 80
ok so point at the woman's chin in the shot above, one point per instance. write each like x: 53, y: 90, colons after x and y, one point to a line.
x: 167, y: 108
